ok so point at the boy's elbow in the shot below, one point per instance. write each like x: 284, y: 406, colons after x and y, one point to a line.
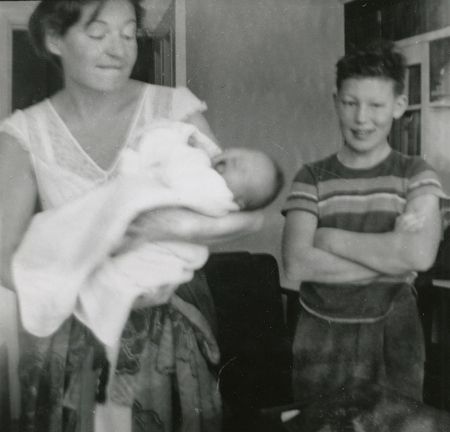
x: 424, y: 261
x: 295, y: 272
x: 420, y: 259
x: 291, y: 275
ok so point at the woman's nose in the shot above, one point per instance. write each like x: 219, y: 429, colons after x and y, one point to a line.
x: 116, y: 47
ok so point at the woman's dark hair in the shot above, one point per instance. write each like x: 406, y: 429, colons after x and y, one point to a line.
x: 378, y: 58
x: 59, y: 15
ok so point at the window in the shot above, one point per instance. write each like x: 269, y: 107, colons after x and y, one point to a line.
x: 424, y: 129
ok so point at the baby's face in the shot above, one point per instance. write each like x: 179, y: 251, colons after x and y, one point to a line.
x: 249, y: 174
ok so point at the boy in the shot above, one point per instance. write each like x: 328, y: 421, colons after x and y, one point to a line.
x: 351, y: 239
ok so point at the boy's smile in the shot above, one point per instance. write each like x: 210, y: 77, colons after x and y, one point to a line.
x: 366, y: 108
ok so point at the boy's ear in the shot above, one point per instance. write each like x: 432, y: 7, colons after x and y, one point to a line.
x: 401, y: 103
x: 52, y: 43
x: 336, y: 100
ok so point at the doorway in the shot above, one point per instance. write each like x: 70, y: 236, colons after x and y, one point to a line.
x: 26, y: 79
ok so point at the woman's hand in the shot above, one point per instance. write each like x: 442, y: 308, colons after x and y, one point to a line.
x: 160, y: 297
x: 189, y: 226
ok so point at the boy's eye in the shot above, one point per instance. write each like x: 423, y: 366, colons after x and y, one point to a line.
x: 96, y: 31
x: 349, y: 103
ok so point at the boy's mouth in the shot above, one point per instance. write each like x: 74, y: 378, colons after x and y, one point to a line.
x: 361, y: 134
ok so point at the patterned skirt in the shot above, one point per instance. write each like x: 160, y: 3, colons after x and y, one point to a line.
x: 166, y: 374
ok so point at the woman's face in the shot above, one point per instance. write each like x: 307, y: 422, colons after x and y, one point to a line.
x: 99, y: 54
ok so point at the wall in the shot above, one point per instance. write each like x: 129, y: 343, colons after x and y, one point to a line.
x: 266, y: 70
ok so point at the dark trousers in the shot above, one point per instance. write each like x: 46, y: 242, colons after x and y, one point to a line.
x: 390, y: 353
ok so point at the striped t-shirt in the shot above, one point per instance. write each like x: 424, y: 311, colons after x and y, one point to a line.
x: 359, y: 200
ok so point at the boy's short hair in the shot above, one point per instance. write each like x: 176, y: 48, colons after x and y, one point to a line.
x: 379, y: 58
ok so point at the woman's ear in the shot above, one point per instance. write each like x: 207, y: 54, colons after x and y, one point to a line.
x: 52, y: 43
x: 401, y: 103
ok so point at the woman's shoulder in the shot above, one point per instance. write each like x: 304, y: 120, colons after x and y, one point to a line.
x: 174, y: 103
x: 15, y: 127
x: 21, y: 123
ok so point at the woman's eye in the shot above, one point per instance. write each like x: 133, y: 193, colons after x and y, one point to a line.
x: 96, y: 31
x: 97, y: 37
x: 129, y: 37
x: 129, y: 33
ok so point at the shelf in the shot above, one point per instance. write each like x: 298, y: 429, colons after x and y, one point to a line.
x: 441, y: 283
x: 439, y: 105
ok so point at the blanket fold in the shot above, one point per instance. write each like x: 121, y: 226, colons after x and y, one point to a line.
x: 71, y: 259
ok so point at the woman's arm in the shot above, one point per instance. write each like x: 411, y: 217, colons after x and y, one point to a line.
x: 18, y: 193
x: 302, y: 261
x: 189, y: 226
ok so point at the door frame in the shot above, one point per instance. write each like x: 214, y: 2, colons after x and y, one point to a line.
x: 14, y: 15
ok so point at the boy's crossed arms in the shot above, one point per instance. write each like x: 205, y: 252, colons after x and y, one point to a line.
x: 331, y: 255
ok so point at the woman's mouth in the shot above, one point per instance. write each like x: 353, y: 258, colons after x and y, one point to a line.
x: 110, y: 67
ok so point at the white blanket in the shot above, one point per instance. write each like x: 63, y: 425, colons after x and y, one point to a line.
x: 65, y: 263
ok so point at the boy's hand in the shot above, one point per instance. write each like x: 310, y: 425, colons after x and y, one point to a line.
x: 410, y: 222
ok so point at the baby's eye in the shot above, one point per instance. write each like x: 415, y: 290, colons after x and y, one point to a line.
x: 348, y: 103
x: 377, y: 105
x: 96, y: 31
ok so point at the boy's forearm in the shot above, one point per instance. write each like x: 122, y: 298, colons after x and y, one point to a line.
x: 304, y: 262
x: 316, y: 265
x: 395, y: 252
x: 391, y: 253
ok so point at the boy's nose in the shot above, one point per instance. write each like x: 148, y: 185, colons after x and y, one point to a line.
x: 361, y: 114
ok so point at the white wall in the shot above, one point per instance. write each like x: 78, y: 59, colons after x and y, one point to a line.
x: 266, y: 70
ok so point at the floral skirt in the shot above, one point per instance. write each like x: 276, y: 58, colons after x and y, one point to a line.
x: 166, y: 373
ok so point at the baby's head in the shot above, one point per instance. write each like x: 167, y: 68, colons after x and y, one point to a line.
x: 252, y: 176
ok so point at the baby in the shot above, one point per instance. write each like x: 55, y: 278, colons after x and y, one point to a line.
x: 190, y: 171
x: 189, y: 162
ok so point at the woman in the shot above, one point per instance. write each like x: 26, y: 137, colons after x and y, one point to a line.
x: 81, y: 131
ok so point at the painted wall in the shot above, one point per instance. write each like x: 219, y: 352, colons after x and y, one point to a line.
x: 266, y: 70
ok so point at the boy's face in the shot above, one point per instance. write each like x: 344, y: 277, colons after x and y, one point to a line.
x: 366, y: 108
